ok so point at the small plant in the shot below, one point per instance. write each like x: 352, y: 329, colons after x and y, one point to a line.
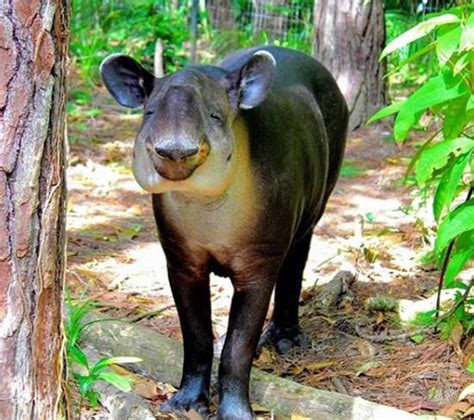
x: 85, y: 373
x: 444, y: 163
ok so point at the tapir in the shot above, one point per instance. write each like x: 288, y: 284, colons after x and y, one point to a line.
x: 240, y: 160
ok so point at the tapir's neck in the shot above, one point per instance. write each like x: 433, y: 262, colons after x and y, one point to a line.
x: 222, y: 220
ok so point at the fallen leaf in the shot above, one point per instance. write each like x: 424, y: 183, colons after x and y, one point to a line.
x: 469, y: 390
x: 455, y: 338
x: 321, y: 365
x: 299, y: 417
x: 379, y: 317
x: 366, y: 367
x: 265, y: 357
x: 453, y: 410
x: 468, y: 351
x: 146, y: 388
x: 365, y: 348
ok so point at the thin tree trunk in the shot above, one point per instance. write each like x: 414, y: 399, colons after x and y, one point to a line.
x: 33, y: 54
x: 221, y: 14
x: 349, y: 37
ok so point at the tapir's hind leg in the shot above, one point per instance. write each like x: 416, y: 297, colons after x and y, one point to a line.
x: 283, y: 332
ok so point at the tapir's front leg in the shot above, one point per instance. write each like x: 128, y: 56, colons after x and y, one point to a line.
x: 191, y: 293
x: 249, y: 306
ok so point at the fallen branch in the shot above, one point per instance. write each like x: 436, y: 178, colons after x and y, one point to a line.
x: 162, y: 358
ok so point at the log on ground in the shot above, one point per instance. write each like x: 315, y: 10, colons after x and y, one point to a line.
x: 162, y: 360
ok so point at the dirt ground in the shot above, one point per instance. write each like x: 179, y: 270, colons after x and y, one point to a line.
x: 369, y: 228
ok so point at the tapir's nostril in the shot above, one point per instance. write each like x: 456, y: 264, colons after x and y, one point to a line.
x: 176, y: 154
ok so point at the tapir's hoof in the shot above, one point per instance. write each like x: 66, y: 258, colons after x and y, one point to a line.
x: 234, y: 409
x: 182, y: 402
x: 283, y: 339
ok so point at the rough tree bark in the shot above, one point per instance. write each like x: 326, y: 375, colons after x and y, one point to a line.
x: 349, y: 37
x: 33, y: 54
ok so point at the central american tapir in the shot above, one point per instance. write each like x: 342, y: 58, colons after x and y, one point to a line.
x: 240, y: 159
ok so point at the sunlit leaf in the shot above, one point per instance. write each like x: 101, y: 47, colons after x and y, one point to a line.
x: 385, y: 112
x: 463, y: 62
x: 438, y: 90
x: 455, y: 117
x: 437, y: 156
x: 448, y: 185
x: 118, y: 381
x: 467, y: 36
x: 470, y: 389
x: 418, y: 31
x: 457, y: 222
x: 102, y: 363
x: 76, y: 355
x: 447, y: 42
x: 415, y: 56
x: 462, y: 253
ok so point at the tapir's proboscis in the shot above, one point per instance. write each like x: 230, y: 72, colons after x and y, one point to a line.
x: 240, y: 160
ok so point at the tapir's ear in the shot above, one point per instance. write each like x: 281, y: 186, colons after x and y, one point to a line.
x: 249, y: 85
x: 127, y: 81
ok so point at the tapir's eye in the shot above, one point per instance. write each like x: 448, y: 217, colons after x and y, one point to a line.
x: 216, y: 117
x: 148, y: 112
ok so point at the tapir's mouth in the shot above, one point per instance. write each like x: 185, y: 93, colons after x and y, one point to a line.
x: 178, y: 170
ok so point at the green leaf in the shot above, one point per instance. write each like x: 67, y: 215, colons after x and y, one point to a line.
x: 447, y: 42
x: 76, y: 355
x: 93, y: 398
x: 460, y: 220
x: 455, y: 117
x: 462, y: 253
x: 435, y: 91
x: 467, y: 38
x: 437, y: 156
x: 418, y: 338
x: 385, y: 112
x: 106, y: 361
x: 418, y: 31
x: 470, y: 389
x: 118, y: 381
x: 413, y: 57
x: 85, y: 382
x: 447, y: 187
x: 463, y: 61
x: 417, y: 155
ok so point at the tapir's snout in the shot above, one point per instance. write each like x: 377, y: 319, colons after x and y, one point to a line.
x: 176, y: 154
x: 177, y: 160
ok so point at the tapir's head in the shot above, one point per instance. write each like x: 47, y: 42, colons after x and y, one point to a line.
x: 186, y: 140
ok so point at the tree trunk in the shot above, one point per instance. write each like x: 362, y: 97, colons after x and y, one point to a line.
x: 221, y: 14
x: 349, y: 37
x: 33, y: 54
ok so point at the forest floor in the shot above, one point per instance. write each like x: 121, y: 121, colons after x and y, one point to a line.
x: 369, y: 228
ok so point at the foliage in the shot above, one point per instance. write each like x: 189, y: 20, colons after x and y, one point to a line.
x: 85, y: 373
x: 129, y: 27
x: 444, y: 163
